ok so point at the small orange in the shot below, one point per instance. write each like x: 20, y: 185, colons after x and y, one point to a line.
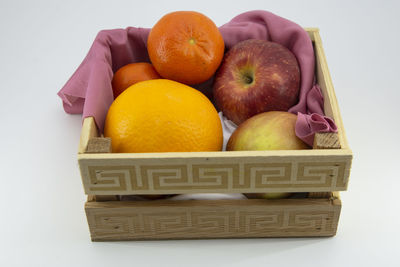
x: 131, y: 74
x: 163, y: 116
x: 185, y: 46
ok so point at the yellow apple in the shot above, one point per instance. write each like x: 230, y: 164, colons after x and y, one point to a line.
x: 273, y: 130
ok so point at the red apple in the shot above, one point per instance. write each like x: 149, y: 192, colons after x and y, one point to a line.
x: 256, y: 76
x: 273, y: 130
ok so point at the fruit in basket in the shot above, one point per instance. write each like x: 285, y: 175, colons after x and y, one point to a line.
x: 185, y: 46
x: 273, y: 130
x: 163, y: 116
x: 130, y: 74
x: 256, y: 76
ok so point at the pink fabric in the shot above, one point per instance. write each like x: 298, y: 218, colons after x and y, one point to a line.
x: 313, y: 121
x: 309, y: 124
x: 89, y: 90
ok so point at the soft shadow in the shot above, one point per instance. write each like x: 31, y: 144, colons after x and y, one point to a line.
x: 221, y: 251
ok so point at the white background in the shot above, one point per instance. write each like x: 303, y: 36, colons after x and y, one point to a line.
x: 42, y: 221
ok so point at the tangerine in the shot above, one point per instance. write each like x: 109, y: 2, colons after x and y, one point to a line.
x: 185, y: 46
x: 163, y: 116
x: 131, y: 74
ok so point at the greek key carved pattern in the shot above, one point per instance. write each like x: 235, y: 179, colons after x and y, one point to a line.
x: 191, y: 223
x: 215, y: 177
x: 113, y: 178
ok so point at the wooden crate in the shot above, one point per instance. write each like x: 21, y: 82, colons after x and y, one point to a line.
x: 189, y: 219
x: 316, y: 170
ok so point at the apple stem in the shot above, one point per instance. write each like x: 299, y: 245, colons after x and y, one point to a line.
x: 247, y: 79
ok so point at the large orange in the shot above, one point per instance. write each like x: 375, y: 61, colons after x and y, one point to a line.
x: 185, y: 46
x: 131, y: 74
x: 163, y: 116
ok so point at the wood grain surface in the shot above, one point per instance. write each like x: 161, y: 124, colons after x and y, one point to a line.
x: 187, y: 219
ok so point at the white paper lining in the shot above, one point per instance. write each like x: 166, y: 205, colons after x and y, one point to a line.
x: 228, y: 127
